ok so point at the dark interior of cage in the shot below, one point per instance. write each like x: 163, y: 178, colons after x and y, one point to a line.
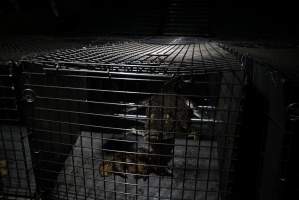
x: 91, y: 135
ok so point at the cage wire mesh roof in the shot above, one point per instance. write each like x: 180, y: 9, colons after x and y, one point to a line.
x: 155, y: 55
x: 14, y: 47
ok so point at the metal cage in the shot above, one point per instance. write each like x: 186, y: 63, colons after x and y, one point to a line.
x: 143, y: 119
x: 270, y: 122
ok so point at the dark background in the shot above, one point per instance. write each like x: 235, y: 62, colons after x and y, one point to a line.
x: 256, y: 19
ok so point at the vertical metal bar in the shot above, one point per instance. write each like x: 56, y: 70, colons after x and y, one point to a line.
x: 73, y: 163
x: 185, y: 162
x: 149, y: 144
x: 136, y: 146
x: 114, y: 179
x: 74, y: 174
x: 92, y: 160
x: 199, y: 146
x: 82, y: 162
x: 126, y: 183
x: 173, y: 166
x: 211, y: 153
x: 198, y: 156
x: 186, y: 136
x: 162, y: 143
x: 66, y: 184
x: 227, y: 171
x: 82, y: 155
x: 35, y: 151
x: 230, y: 115
x: 64, y: 171
x: 28, y: 180
x: 15, y: 157
x: 103, y: 158
x: 53, y: 150
x: 212, y: 138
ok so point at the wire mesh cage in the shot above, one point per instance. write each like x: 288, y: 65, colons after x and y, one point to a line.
x: 141, y: 119
x: 271, y: 114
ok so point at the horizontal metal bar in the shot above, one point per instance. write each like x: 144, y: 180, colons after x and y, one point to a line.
x: 127, y: 152
x: 83, y: 195
x: 46, y: 131
x: 131, y: 92
x: 135, y: 117
x: 152, y: 186
x: 94, y: 126
x: 149, y: 176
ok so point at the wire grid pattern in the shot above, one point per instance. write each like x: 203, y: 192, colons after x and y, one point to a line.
x: 86, y: 97
x: 18, y: 179
x: 187, y: 183
x: 14, y: 147
x: 178, y: 55
x: 14, y: 48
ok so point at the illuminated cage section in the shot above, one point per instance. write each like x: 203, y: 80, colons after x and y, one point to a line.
x: 16, y: 172
x: 134, y: 120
